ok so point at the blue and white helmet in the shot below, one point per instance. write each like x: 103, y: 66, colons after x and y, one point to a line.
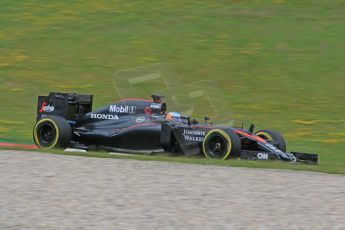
x: 173, y: 116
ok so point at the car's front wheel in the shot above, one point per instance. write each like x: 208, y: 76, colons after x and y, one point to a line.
x: 273, y: 137
x: 52, y: 132
x: 221, y: 144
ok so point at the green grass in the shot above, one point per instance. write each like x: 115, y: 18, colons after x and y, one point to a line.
x: 276, y: 63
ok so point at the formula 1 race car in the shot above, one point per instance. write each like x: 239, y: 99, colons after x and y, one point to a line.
x: 139, y: 125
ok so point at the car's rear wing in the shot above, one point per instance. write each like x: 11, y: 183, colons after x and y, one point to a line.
x: 68, y: 105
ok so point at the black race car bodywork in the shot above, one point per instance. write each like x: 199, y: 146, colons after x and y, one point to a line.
x: 67, y: 120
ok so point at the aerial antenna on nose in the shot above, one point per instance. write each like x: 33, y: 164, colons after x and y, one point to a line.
x: 157, y: 98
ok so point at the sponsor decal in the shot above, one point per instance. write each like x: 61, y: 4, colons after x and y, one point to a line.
x: 262, y: 156
x: 155, y: 106
x: 140, y: 119
x: 122, y: 109
x: 104, y: 116
x: 193, y: 135
x: 46, y: 108
x: 273, y: 148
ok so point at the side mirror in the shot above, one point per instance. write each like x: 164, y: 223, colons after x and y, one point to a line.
x: 186, y: 118
x: 194, y: 122
x: 251, y: 128
x: 206, y: 119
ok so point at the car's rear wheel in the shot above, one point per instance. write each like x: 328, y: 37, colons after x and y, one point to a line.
x: 52, y: 132
x: 273, y: 137
x: 221, y: 144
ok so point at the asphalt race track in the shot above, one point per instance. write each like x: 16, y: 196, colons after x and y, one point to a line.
x: 46, y: 191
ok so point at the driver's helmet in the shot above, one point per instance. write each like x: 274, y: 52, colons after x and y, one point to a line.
x: 173, y: 116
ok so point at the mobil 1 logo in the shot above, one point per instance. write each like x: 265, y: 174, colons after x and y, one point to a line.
x: 125, y: 109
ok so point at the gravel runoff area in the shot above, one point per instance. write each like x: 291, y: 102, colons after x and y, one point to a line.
x: 47, y: 191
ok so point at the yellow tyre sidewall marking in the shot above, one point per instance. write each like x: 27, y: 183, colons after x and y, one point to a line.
x: 266, y: 136
x: 225, y: 135
x: 56, y: 136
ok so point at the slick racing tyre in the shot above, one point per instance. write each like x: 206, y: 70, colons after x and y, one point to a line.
x: 273, y: 137
x: 52, y: 132
x: 221, y: 144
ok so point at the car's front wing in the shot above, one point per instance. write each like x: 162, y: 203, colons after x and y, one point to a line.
x: 308, y: 158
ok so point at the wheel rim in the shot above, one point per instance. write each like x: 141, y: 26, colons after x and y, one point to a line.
x: 46, y: 134
x: 217, y: 146
x: 265, y: 136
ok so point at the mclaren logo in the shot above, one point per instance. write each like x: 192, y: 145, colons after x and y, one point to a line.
x: 140, y: 119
